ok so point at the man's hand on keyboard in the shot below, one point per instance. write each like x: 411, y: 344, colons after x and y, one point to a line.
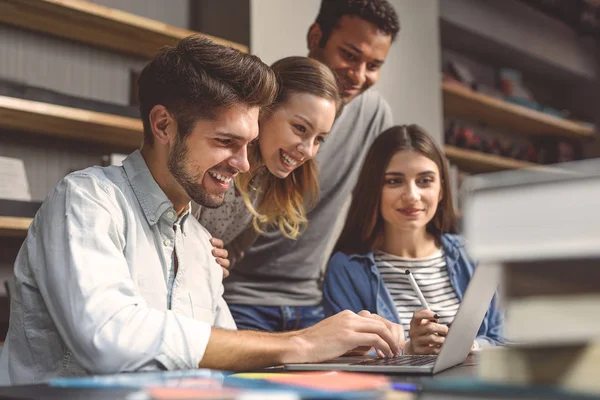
x: 397, y: 330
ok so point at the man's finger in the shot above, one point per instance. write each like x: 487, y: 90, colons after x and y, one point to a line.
x: 374, y: 325
x: 359, y: 351
x: 376, y: 341
x: 397, y: 330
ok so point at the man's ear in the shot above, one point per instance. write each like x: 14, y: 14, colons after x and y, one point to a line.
x: 163, y: 125
x: 313, y: 38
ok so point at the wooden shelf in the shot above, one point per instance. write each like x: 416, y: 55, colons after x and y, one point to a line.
x: 91, y: 23
x: 66, y: 122
x: 475, y: 161
x: 14, y: 226
x: 462, y: 102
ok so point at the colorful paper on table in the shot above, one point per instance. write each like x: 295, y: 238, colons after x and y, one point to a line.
x: 201, y: 384
x: 327, y: 380
x: 199, y: 378
x: 171, y: 393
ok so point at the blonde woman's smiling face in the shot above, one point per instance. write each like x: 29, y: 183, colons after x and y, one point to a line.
x: 293, y: 132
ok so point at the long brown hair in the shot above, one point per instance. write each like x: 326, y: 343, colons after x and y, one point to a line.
x: 364, y: 225
x: 284, y: 201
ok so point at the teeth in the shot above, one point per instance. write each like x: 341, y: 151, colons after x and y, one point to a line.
x: 288, y: 160
x: 219, y: 177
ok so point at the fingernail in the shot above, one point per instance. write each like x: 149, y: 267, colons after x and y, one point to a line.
x: 436, y: 316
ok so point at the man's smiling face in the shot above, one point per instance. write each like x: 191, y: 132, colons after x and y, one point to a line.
x: 355, y: 51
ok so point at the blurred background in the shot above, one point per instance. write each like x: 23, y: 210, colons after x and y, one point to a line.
x: 502, y: 84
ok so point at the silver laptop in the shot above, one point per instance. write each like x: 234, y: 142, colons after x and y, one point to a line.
x: 456, y: 348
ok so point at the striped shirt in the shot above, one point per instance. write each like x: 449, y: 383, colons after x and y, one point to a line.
x: 432, y: 277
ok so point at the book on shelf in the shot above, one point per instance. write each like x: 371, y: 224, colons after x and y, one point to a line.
x: 13, y: 180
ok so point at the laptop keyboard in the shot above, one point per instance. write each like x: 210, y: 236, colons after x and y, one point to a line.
x: 401, y: 360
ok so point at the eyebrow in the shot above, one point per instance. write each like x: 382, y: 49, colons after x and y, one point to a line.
x: 230, y: 135
x: 305, y: 120
x: 359, y: 51
x: 402, y: 174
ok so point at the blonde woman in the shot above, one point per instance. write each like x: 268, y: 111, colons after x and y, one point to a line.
x: 283, y: 180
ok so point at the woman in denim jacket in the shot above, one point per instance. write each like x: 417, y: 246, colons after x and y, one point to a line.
x: 402, y: 218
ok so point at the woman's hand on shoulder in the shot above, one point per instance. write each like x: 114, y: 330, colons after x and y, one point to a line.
x: 221, y: 254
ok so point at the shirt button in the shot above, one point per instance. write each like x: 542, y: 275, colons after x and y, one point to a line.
x: 167, y: 242
x: 171, y: 214
x: 151, y: 218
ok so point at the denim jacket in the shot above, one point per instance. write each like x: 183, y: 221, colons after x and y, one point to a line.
x: 353, y: 282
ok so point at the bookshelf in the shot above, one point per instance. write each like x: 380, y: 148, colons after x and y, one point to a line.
x: 476, y: 161
x: 463, y: 102
x: 71, y: 123
x: 14, y: 226
x: 94, y: 24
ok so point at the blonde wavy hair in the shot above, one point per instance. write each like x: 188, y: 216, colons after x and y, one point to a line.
x: 284, y: 202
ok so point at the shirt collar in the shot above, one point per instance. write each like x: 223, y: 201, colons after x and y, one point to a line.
x: 367, y: 256
x: 152, y: 199
x: 184, y: 217
x: 452, y: 245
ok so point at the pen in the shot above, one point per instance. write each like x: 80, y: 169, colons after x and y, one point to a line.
x: 418, y: 292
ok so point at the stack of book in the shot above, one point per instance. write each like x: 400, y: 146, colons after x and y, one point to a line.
x: 542, y: 227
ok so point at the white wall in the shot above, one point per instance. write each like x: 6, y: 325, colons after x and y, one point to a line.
x: 411, y: 75
x: 410, y: 79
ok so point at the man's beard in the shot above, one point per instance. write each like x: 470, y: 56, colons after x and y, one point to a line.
x: 176, y: 164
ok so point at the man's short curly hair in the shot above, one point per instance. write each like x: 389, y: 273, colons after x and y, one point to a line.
x: 379, y: 12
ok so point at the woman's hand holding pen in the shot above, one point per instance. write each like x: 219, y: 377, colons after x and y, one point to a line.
x: 426, y: 334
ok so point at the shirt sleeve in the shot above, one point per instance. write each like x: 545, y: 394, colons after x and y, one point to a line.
x: 340, y: 290
x: 76, y: 251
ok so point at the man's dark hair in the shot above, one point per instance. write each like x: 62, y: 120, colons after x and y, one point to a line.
x: 378, y: 12
x: 197, y: 78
